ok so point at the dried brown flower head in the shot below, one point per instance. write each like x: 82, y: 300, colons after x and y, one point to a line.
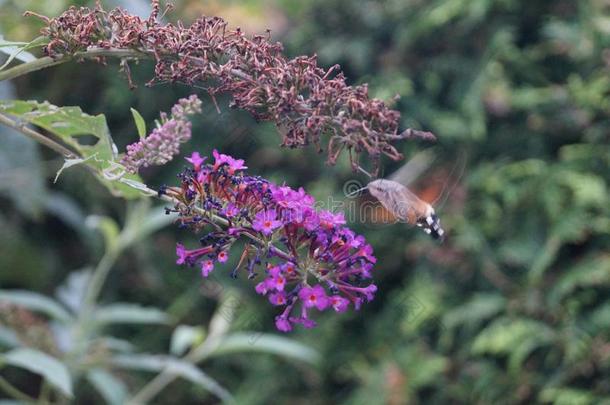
x: 305, y: 101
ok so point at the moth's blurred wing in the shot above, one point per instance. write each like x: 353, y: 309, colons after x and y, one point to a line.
x: 438, y: 182
x: 453, y: 180
x: 411, y: 170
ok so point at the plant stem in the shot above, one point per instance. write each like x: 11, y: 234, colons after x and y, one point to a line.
x: 92, y: 53
x: 221, y: 221
x: 152, y: 388
x: 45, y: 391
x: 93, y: 289
x: 38, y: 137
x: 14, y: 392
x: 29, y: 67
x: 97, y: 280
x: 45, y: 62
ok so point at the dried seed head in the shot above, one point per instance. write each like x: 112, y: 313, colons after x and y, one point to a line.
x: 305, y: 101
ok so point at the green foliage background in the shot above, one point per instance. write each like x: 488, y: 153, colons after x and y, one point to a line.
x: 513, y: 308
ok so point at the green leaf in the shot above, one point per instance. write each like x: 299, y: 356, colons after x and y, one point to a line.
x: 130, y: 313
x: 115, y: 344
x: 123, y: 184
x: 72, y: 291
x: 470, y: 315
x: 600, y: 317
x: 517, y: 338
x: 266, y: 343
x: 424, y: 367
x: 53, y: 370
x: 140, y: 124
x: 70, y: 124
x: 478, y: 308
x: 174, y: 366
x: 418, y: 304
x: 567, y: 396
x: 133, y: 184
x: 18, y: 50
x: 587, y: 189
x: 144, y: 362
x: 193, y: 374
x: 572, y: 226
x: 592, y: 271
x: 8, y: 337
x: 184, y: 337
x: 88, y: 135
x: 108, y: 227
x: 112, y: 389
x: 36, y: 302
x: 578, y: 345
x: 504, y: 334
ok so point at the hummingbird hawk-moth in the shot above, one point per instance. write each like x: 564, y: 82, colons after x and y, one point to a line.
x: 404, y: 205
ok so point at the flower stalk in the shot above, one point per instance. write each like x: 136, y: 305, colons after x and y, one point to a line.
x: 38, y: 137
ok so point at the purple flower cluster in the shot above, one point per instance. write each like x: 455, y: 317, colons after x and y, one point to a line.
x: 310, y: 259
x: 163, y: 143
x: 305, y: 101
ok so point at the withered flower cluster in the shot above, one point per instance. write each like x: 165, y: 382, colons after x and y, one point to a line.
x: 304, y: 100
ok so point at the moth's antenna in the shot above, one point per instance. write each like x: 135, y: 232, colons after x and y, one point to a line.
x: 365, y: 172
x: 414, y: 167
x: 355, y: 192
